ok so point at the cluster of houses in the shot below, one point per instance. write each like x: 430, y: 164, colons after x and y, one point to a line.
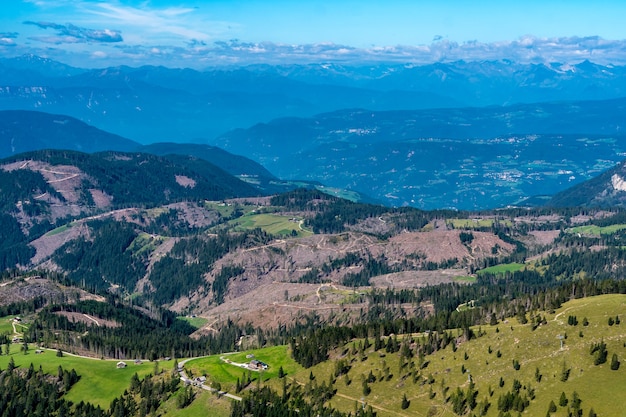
x: 122, y: 364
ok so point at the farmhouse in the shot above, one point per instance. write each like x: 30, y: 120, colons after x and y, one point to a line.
x: 256, y: 364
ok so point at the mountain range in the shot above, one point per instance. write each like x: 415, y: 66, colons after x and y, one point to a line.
x: 141, y: 245
x: 157, y: 104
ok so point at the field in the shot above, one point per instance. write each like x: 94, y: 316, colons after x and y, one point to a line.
x: 196, y: 322
x: 596, y: 230
x: 490, y: 357
x: 485, y: 359
x: 59, y: 229
x: 6, y: 326
x: 341, y: 193
x: 503, y: 268
x: 205, y: 404
x: 218, y: 370
x: 474, y: 223
x: 465, y: 278
x: 100, y: 380
x: 489, y: 360
x: 145, y: 243
x: 271, y: 223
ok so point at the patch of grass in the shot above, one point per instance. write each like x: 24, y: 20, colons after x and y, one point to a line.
x: 59, y: 229
x: 477, y: 223
x: 204, y: 404
x: 465, y: 278
x: 503, y: 268
x: 596, y: 230
x: 341, y: 193
x: 100, y: 380
x: 271, y: 223
x: 196, y: 322
x: 226, y: 374
x: 145, y: 242
x: 598, y: 386
x: 6, y: 326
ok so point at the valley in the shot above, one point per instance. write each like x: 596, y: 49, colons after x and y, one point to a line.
x: 310, y: 240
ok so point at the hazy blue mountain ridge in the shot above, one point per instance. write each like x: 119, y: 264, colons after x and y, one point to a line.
x: 150, y: 104
x: 23, y: 131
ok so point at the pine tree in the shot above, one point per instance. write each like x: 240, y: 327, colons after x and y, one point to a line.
x: 405, y: 402
x: 614, y: 362
x: 552, y: 407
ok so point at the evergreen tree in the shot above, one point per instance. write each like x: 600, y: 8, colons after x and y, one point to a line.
x: 552, y: 407
x: 405, y: 402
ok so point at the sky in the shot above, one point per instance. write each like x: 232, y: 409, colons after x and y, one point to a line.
x: 199, y: 34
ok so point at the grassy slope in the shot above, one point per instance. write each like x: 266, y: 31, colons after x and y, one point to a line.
x: 5, y: 325
x: 271, y: 223
x: 598, y: 386
x: 100, y: 381
x: 597, y: 230
x: 205, y: 404
x: 216, y: 369
x: 196, y: 322
x: 502, y: 268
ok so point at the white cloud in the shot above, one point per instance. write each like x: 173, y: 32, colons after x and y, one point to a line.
x: 145, y: 23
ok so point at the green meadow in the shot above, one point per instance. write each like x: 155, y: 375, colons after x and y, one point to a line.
x: 6, y: 326
x: 488, y: 360
x: 196, y: 322
x: 474, y: 223
x: 59, y: 229
x: 100, y: 380
x: 503, y: 268
x: 205, y: 404
x: 596, y: 230
x: 271, y: 223
x: 217, y: 369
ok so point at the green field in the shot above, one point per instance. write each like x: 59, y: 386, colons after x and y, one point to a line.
x: 271, y: 223
x: 596, y: 230
x: 598, y: 386
x: 6, y: 326
x: 205, y: 404
x: 466, y: 278
x: 196, y: 322
x: 341, y: 193
x: 145, y: 242
x: 487, y: 358
x: 218, y: 370
x: 59, y: 229
x: 474, y: 223
x: 503, y: 268
x: 100, y: 380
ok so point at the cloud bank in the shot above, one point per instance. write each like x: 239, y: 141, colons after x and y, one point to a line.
x: 70, y: 33
x: 528, y: 49
x: 113, y: 50
x: 8, y: 38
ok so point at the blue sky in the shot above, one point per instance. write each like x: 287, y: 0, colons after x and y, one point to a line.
x: 205, y: 33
